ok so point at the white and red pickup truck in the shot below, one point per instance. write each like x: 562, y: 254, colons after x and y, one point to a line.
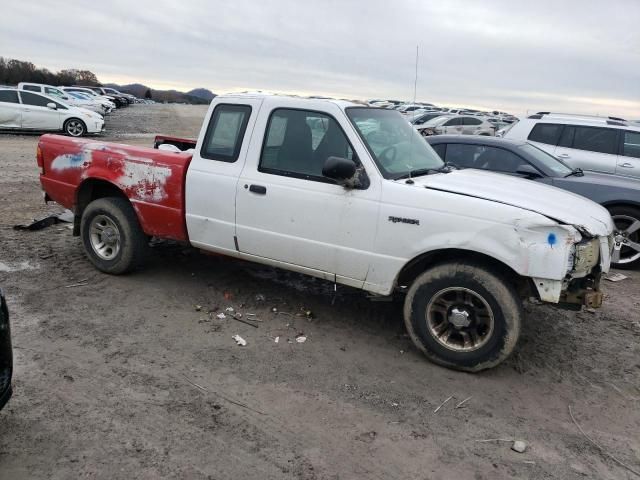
x: 347, y: 193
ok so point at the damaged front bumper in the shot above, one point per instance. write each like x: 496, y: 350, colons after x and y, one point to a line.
x: 588, y: 261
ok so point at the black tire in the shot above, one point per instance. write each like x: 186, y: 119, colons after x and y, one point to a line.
x: 74, y: 127
x: 497, y: 294
x: 118, y: 215
x: 623, y: 216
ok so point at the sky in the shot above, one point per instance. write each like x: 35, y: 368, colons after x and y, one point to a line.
x: 578, y: 56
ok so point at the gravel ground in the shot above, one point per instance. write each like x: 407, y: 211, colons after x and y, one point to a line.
x: 136, y: 377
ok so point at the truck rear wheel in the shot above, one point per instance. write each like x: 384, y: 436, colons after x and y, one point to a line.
x: 463, y: 316
x: 112, y: 236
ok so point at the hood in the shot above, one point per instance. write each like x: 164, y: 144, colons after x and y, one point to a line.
x: 559, y: 205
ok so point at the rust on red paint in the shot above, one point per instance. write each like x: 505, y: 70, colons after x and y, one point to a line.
x: 153, y: 180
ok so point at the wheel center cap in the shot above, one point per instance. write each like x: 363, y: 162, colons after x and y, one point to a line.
x: 459, y: 317
x: 109, y: 235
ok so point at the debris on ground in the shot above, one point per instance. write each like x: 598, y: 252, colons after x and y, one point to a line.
x: 260, y: 297
x: 238, y: 317
x: 197, y: 307
x: 461, y: 404
x: 442, y: 404
x: 239, y: 340
x: 221, y: 316
x: 301, y: 339
x: 228, y: 295
x: 519, y: 446
x: 616, y: 277
x: 229, y: 309
x: 276, y: 340
x: 64, y: 217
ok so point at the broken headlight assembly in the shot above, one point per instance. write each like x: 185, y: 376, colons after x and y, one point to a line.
x: 584, y: 257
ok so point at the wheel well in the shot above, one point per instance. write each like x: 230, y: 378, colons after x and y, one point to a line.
x: 418, y: 265
x: 89, y: 191
x: 75, y: 118
x: 620, y: 204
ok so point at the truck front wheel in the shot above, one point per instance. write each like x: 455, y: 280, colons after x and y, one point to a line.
x: 112, y: 236
x: 463, y: 316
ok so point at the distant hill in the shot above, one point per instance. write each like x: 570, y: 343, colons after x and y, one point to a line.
x: 203, y: 93
x: 196, y: 96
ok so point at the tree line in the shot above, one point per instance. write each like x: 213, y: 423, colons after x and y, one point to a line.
x: 14, y: 71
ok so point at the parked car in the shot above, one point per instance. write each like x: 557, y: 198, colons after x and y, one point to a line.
x: 346, y: 193
x: 113, y: 92
x: 456, y: 124
x: 59, y: 94
x: 22, y: 110
x: 108, y: 103
x: 619, y: 195
x: 6, y: 353
x: 599, y: 144
x: 422, y: 118
x: 120, y: 100
x: 101, y: 105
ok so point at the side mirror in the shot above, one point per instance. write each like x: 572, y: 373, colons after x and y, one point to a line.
x: 52, y: 106
x: 339, y: 169
x: 528, y: 171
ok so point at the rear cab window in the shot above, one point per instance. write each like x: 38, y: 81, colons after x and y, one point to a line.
x: 31, y: 88
x: 225, y: 132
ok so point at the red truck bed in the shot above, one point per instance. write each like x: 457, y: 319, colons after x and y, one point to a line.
x: 153, y: 180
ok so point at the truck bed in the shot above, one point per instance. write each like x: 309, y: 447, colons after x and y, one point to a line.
x: 153, y: 180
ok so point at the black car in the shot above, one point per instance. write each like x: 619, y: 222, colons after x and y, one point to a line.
x: 619, y: 195
x: 6, y: 354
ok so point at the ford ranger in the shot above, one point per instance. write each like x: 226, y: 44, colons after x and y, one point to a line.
x: 350, y: 194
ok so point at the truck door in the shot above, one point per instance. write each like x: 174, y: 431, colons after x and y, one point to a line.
x: 213, y: 174
x: 288, y: 212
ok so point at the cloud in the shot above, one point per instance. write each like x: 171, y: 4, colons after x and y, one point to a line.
x: 512, y: 55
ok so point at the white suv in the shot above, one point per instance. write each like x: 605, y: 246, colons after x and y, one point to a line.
x: 600, y: 144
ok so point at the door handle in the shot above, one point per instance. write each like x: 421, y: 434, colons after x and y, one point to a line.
x: 563, y: 155
x: 259, y: 189
x: 627, y: 165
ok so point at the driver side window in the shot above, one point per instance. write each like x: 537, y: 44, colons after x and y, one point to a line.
x: 298, y: 142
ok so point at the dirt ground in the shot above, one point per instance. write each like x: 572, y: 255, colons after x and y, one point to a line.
x: 136, y: 377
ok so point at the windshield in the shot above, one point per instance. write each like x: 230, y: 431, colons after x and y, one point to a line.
x: 549, y: 162
x: 394, y: 144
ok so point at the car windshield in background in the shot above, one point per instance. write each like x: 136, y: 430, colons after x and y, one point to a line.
x: 394, y: 144
x: 549, y: 162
